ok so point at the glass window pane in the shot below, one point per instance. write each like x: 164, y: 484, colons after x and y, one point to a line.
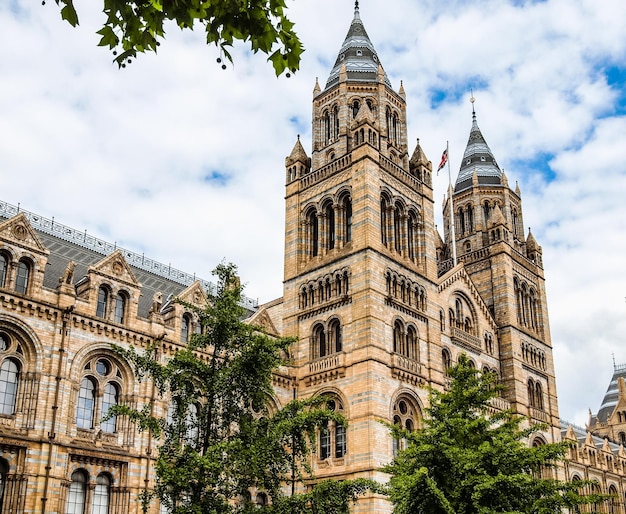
x: 101, y: 308
x: 8, y: 386
x: 325, y: 443
x: 340, y: 441
x: 3, y: 270
x: 109, y: 399
x: 21, y: 281
x: 101, y: 496
x: 76, y: 494
x: 86, y: 403
x: 120, y: 306
x: 192, y: 424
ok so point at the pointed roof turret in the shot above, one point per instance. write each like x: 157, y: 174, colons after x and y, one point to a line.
x: 477, y: 158
x: 419, y: 157
x: 317, y: 89
x: 298, y: 154
x: 613, y: 393
x: 531, y: 242
x: 357, y: 54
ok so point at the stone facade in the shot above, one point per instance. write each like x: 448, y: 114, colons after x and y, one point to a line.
x: 380, y: 304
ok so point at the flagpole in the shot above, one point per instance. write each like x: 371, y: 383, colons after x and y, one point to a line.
x: 452, y: 231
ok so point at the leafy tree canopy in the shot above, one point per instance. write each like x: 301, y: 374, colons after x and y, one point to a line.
x: 222, y: 436
x: 133, y: 26
x: 470, y: 458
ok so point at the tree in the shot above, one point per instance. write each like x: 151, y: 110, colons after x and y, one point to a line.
x: 471, y: 458
x: 220, y: 437
x: 133, y: 26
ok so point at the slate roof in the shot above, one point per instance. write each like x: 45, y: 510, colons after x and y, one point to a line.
x: 477, y: 159
x: 67, y: 244
x: 610, y: 397
x: 357, y: 54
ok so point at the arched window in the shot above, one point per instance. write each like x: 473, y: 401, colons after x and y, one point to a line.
x: 531, y: 393
x: 109, y: 399
x: 313, y: 233
x: 446, y: 359
x: 355, y: 108
x: 327, y: 127
x: 4, y: 262
x: 103, y: 300
x: 613, y: 500
x: 487, y: 212
x: 86, y: 404
x: 398, y: 337
x: 333, y: 435
x: 329, y: 212
x: 185, y: 327
x: 384, y: 220
x: 120, y: 308
x: 319, y: 341
x: 538, y: 396
x: 412, y: 239
x: 461, y: 216
x: 398, y: 234
x: 347, y: 212
x: 335, y: 333
x: 261, y: 500
x: 191, y: 422
x: 412, y: 350
x: 407, y: 416
x: 9, y: 377
x: 100, y: 389
x: 21, y: 280
x: 77, y: 494
x: 101, y: 495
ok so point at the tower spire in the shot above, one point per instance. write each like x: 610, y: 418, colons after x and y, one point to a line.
x: 357, y: 54
x: 477, y: 158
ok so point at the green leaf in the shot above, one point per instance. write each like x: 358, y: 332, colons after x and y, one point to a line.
x: 68, y: 13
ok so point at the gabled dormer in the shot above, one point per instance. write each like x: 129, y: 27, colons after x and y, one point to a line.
x: 110, y: 289
x: 178, y: 315
x: 23, y: 257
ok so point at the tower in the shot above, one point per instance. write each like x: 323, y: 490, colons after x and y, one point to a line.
x: 360, y: 263
x: 507, y: 270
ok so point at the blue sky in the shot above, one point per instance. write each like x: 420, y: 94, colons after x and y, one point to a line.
x: 179, y: 159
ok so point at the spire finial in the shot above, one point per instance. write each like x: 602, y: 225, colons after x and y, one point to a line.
x: 356, y: 5
x: 472, y: 100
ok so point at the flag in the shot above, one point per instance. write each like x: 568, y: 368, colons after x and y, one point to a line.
x: 444, y: 159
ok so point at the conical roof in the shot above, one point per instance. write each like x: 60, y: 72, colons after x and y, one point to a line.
x: 297, y: 154
x: 612, y: 394
x: 477, y: 158
x: 357, y: 54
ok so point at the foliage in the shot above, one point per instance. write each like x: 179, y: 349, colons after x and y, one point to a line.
x: 221, y: 438
x: 133, y: 26
x: 470, y: 458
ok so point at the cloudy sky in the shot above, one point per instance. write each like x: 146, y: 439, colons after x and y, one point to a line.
x: 175, y: 158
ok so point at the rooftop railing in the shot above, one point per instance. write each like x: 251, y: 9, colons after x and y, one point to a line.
x: 56, y: 229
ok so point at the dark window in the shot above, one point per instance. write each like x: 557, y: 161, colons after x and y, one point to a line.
x: 21, y: 281
x: 103, y: 300
x: 3, y: 269
x: 120, y: 308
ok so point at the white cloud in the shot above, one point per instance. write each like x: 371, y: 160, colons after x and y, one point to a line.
x: 124, y: 153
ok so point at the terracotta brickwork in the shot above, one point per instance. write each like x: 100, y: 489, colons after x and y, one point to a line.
x: 373, y: 295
